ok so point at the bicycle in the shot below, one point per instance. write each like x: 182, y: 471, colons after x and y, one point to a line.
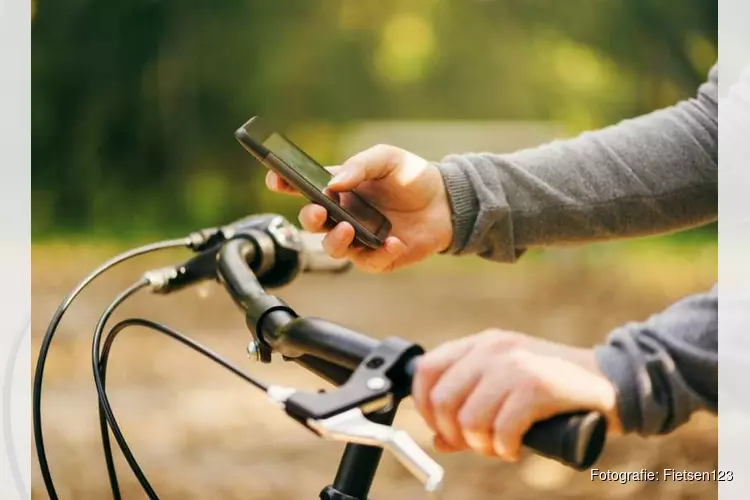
x: 371, y: 377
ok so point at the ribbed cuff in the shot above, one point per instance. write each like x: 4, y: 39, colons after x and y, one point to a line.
x: 463, y: 203
x: 616, y: 366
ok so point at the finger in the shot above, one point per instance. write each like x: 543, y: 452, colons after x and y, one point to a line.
x: 370, y: 164
x: 382, y: 259
x: 274, y: 182
x: 336, y: 243
x: 430, y: 367
x: 515, y: 418
x: 313, y: 218
x: 442, y: 445
x: 449, y: 394
x: 477, y: 415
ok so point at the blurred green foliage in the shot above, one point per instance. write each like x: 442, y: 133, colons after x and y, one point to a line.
x: 135, y: 101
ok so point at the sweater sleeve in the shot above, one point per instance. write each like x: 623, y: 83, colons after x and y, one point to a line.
x: 653, y: 174
x: 666, y: 367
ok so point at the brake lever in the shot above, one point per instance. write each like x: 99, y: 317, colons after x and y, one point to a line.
x: 352, y: 426
x: 379, y: 382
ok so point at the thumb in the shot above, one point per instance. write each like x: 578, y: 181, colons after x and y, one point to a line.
x: 369, y: 165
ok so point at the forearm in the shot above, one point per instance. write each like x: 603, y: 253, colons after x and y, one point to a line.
x: 665, y: 368
x: 652, y: 174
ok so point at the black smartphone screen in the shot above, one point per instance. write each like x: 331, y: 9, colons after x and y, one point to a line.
x: 319, y: 177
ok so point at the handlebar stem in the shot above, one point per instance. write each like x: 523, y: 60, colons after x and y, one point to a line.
x: 358, y: 466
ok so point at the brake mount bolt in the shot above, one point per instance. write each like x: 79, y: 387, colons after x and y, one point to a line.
x: 376, y: 383
x: 253, y: 351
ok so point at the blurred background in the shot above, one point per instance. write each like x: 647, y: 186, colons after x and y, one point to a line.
x: 134, y: 106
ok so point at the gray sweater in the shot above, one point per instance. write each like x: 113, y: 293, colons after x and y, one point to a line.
x: 653, y: 174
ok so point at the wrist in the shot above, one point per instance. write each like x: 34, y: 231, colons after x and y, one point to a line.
x: 444, y: 223
x: 461, y: 205
x: 440, y: 215
x: 606, y: 389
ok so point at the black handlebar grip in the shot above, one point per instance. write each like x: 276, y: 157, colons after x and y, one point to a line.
x: 573, y: 439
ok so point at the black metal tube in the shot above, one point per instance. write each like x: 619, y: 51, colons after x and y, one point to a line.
x: 236, y: 275
x: 315, y: 337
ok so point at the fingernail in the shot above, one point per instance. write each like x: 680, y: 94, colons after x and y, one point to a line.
x: 505, y: 454
x: 475, y: 440
x: 500, y: 450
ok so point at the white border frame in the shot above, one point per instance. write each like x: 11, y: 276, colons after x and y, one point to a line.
x: 734, y: 246
x: 15, y: 247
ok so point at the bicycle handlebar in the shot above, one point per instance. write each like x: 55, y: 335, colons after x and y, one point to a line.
x: 372, y: 376
x: 575, y: 439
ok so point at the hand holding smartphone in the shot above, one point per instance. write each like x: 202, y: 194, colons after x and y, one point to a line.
x: 297, y: 168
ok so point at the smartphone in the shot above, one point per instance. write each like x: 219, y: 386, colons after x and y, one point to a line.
x: 306, y: 175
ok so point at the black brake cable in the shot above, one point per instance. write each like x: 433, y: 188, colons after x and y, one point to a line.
x: 103, y: 404
x: 107, y: 416
x: 105, y: 410
x: 50, y: 333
